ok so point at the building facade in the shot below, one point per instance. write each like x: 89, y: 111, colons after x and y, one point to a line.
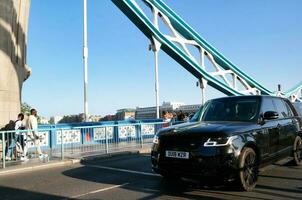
x: 188, y: 109
x: 125, y: 114
x: 145, y: 113
x: 171, y: 107
x: 55, y: 119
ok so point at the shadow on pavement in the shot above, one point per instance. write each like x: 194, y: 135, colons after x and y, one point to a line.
x: 7, y: 193
x: 274, y: 193
x: 281, y: 177
x: 155, y: 187
x: 292, y: 191
x: 152, y: 187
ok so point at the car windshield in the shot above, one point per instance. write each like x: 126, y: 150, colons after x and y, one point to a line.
x: 196, y: 116
x: 231, y: 109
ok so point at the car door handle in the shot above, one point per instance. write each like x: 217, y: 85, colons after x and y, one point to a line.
x: 279, y: 126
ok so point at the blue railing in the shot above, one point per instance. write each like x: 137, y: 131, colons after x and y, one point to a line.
x: 61, y: 140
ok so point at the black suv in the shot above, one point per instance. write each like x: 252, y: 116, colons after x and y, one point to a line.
x: 230, y: 137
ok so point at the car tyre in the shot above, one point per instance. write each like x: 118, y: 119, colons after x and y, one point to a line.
x: 248, y: 169
x: 297, y: 154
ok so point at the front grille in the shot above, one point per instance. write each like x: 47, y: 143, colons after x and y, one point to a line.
x: 181, y: 143
x: 190, y: 166
x: 201, y: 161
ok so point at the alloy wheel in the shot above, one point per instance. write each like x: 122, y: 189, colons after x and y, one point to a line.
x: 250, y: 169
x: 298, y: 150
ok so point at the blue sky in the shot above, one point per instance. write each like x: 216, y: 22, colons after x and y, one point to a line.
x: 262, y: 37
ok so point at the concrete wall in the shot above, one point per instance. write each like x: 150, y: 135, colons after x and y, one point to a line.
x: 13, y: 69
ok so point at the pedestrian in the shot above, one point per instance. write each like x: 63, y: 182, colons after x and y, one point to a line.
x: 181, y: 116
x: 16, y: 138
x: 174, y: 118
x: 166, y: 119
x: 32, y: 124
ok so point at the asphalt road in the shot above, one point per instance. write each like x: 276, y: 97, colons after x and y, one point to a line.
x: 130, y: 177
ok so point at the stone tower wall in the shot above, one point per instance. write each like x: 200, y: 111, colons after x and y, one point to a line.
x: 13, y: 44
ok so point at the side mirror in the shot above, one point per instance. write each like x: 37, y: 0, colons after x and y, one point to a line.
x: 268, y: 115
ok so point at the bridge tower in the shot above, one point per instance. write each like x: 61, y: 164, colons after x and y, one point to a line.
x: 13, y: 69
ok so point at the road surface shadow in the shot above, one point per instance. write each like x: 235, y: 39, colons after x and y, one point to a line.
x: 153, y: 186
x: 158, y: 187
x: 7, y: 193
x: 281, y: 177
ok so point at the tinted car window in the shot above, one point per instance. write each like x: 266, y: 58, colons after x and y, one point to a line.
x: 231, y: 109
x: 298, y: 107
x: 267, y: 105
x: 281, y: 108
x: 289, y: 110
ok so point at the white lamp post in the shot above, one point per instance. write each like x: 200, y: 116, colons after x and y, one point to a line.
x: 155, y: 46
x: 85, y: 57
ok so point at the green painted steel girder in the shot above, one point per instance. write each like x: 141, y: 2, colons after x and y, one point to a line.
x: 129, y: 8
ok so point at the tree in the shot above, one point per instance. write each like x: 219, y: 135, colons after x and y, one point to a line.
x: 25, y: 108
x: 72, y: 119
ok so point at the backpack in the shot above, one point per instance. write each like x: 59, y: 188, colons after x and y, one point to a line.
x: 10, y: 126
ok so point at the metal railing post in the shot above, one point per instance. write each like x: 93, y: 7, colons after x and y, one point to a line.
x: 106, y: 137
x: 62, y: 145
x: 3, y: 150
x: 141, y: 136
x: 73, y: 133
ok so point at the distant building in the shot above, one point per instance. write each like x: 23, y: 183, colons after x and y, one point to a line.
x: 145, y: 113
x: 150, y: 112
x: 94, y: 118
x: 124, y: 114
x: 188, y: 109
x: 55, y: 119
x: 170, y: 106
x: 43, y: 120
x: 108, y: 118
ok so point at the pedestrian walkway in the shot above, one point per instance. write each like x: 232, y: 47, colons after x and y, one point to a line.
x: 75, y: 141
x: 35, y: 164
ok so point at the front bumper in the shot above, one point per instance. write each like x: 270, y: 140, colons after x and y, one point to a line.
x: 208, y: 162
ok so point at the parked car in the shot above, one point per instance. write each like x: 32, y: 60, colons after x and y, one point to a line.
x: 230, y: 138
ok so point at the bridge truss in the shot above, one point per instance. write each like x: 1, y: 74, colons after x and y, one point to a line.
x: 295, y: 94
x: 181, y: 42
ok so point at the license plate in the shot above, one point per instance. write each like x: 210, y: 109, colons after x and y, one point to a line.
x: 177, y: 154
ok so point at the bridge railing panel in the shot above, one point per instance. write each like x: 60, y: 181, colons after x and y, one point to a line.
x: 77, y: 140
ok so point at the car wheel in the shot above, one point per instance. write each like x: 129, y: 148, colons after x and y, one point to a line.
x: 248, y: 169
x: 298, y: 151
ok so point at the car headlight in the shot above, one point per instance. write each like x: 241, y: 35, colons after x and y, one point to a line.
x: 222, y: 141
x: 155, y: 139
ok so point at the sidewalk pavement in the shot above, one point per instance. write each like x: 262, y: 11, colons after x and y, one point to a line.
x: 36, y: 164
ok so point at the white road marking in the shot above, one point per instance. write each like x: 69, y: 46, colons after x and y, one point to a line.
x: 100, y: 190
x: 124, y: 170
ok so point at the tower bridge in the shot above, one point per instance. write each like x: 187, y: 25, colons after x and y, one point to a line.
x: 210, y: 67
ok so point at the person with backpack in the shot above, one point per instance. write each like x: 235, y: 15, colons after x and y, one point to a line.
x: 16, y: 138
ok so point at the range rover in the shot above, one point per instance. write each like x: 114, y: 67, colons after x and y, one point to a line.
x: 230, y: 138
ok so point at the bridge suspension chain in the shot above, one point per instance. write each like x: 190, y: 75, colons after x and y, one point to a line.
x: 181, y: 42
